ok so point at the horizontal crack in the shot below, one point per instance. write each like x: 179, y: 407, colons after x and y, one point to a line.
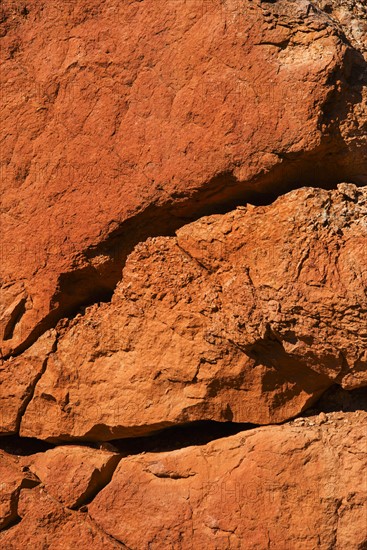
x: 95, y: 281
x: 335, y: 399
x: 167, y: 439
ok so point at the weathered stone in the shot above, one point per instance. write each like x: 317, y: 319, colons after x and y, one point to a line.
x: 13, y: 478
x: 46, y: 524
x: 121, y: 120
x: 124, y: 121
x: 18, y: 378
x: 352, y: 16
x: 280, y: 487
x: 73, y: 474
x: 247, y: 316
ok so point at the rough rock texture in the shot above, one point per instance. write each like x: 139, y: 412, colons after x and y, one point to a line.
x: 136, y: 116
x: 18, y: 378
x: 352, y: 16
x: 13, y: 478
x: 141, y: 290
x: 73, y: 474
x: 46, y: 524
x: 34, y: 509
x: 247, y: 316
x: 282, y: 487
x: 299, y: 485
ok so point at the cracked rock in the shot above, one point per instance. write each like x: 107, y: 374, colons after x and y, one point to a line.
x: 246, y: 317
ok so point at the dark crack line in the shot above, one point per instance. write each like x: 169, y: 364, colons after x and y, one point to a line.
x: 87, y: 285
x: 33, y: 385
x: 90, y: 494
x: 104, y: 533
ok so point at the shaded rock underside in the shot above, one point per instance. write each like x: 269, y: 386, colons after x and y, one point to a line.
x: 149, y: 319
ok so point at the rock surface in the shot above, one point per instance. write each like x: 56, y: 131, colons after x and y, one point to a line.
x: 137, y: 116
x: 140, y: 289
x: 245, y: 317
x: 352, y: 16
x: 18, y: 378
x: 46, y: 524
x: 13, y: 478
x: 73, y: 474
x: 280, y: 487
x: 299, y: 485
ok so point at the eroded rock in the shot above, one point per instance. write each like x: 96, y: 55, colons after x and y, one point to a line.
x: 122, y: 120
x: 46, y: 524
x: 13, y: 478
x: 73, y: 474
x: 248, y: 316
x: 18, y: 378
x: 281, y: 487
x: 352, y: 16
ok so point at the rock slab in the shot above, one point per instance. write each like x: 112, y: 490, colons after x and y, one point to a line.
x: 246, y: 317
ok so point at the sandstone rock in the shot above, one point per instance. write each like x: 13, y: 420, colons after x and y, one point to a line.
x: 247, y: 316
x: 18, y: 377
x: 13, y: 478
x: 46, y: 524
x: 280, y: 487
x: 125, y: 119
x: 73, y: 474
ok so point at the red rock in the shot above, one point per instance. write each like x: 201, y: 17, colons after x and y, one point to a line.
x: 46, y: 524
x: 281, y: 487
x: 352, y: 16
x: 124, y: 119
x: 247, y: 316
x: 73, y: 474
x: 18, y: 378
x: 13, y: 478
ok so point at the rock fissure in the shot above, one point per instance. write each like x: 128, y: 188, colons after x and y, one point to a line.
x: 93, y: 284
x: 29, y: 397
x: 333, y: 401
x: 261, y: 334
x: 183, y: 274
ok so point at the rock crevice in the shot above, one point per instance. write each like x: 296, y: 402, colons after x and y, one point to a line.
x: 183, y: 285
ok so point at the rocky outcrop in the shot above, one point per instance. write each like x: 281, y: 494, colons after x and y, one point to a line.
x: 18, y: 378
x: 352, y: 16
x: 74, y: 475
x: 183, y: 285
x: 244, y: 317
x: 46, y: 524
x: 299, y: 485
x: 13, y: 478
x: 136, y: 117
x: 39, y: 492
x: 280, y: 487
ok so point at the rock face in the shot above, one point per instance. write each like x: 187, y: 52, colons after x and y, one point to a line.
x: 12, y: 479
x: 278, y: 487
x: 73, y: 474
x: 352, y: 16
x: 299, y: 485
x: 18, y: 378
x: 183, y: 283
x: 245, y: 317
x: 36, y: 510
x: 137, y: 116
x: 46, y: 524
